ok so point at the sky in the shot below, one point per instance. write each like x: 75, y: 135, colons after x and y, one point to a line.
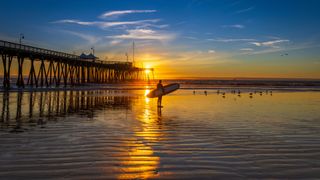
x: 179, y: 38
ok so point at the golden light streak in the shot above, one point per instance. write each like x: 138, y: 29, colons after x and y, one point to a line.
x: 141, y: 161
x: 147, y: 100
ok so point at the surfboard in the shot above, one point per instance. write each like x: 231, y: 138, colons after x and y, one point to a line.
x: 167, y: 89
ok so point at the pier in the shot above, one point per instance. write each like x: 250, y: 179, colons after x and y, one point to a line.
x: 61, y: 69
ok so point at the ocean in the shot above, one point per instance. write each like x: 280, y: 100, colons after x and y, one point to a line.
x: 205, y: 130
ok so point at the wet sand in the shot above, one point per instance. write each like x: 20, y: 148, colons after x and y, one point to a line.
x: 122, y: 135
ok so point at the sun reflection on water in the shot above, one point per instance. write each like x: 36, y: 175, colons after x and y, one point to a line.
x: 142, y: 163
x: 147, y: 100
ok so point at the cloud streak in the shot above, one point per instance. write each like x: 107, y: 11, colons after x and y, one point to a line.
x: 144, y: 34
x: 244, y: 10
x: 122, y: 30
x: 269, y: 43
x: 90, y: 38
x: 230, y: 40
x: 124, y: 12
x: 246, y: 49
x: 287, y: 49
x: 103, y: 24
x: 237, y: 26
x: 75, y: 21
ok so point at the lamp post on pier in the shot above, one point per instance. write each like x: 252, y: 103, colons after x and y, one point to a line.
x: 92, y: 48
x: 20, y: 38
x: 127, y: 57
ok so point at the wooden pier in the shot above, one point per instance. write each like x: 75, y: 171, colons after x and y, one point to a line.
x: 59, y: 68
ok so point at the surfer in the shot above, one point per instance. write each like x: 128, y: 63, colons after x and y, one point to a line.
x: 160, y: 87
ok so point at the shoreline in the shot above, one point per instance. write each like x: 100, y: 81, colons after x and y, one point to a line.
x: 132, y: 87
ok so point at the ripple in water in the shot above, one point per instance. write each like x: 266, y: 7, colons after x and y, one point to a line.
x: 105, y: 134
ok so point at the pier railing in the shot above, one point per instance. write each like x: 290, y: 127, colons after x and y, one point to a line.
x: 47, y: 52
x: 27, y: 48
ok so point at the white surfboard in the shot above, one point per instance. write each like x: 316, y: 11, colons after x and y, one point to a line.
x: 167, y: 89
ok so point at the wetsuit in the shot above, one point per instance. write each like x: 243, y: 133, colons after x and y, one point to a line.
x: 160, y: 86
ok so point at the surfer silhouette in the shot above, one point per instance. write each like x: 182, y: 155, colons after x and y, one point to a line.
x: 160, y: 87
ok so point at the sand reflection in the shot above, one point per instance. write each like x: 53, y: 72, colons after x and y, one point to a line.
x: 142, y: 162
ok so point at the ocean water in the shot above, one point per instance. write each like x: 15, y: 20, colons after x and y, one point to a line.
x: 121, y: 134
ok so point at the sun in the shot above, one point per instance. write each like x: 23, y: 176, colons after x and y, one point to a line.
x: 147, y: 69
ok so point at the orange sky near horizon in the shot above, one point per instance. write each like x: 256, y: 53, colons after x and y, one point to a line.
x: 180, y: 68
x: 227, y: 68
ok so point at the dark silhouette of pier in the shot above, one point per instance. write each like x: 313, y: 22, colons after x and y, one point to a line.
x: 59, y: 68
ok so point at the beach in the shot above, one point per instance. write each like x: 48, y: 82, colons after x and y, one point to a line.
x: 121, y: 134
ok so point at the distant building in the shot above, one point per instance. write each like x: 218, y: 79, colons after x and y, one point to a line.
x: 88, y: 57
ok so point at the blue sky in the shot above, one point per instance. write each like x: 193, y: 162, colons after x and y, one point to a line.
x: 183, y: 38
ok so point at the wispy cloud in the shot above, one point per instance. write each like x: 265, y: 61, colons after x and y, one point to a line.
x: 291, y: 47
x: 269, y: 43
x: 75, y: 21
x: 115, y: 42
x: 123, y: 12
x: 246, y: 49
x: 90, y: 38
x: 230, y: 40
x: 237, y: 26
x: 268, y: 50
x: 244, y: 10
x: 121, y: 23
x: 103, y: 24
x: 211, y: 51
x: 148, y: 25
x: 144, y: 34
x: 119, y: 31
